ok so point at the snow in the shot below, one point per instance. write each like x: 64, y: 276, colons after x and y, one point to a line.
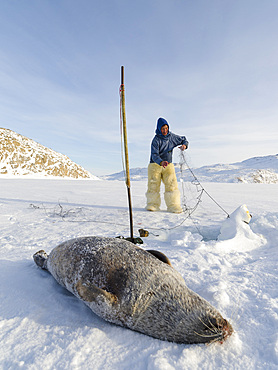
x: 43, y: 326
x: 257, y: 169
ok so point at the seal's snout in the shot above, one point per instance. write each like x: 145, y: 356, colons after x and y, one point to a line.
x: 224, y: 330
x: 227, y: 330
x: 215, y: 329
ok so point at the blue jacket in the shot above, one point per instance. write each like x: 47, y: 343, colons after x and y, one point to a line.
x: 162, y: 146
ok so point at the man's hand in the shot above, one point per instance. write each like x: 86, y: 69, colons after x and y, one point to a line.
x: 164, y: 164
x: 182, y: 147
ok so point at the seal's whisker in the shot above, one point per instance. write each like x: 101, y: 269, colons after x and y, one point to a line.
x: 212, y: 341
x: 237, y: 322
x: 208, y: 336
x: 213, y: 326
x: 236, y: 309
x: 209, y: 328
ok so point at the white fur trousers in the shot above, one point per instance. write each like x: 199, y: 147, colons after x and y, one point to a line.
x: 157, y: 173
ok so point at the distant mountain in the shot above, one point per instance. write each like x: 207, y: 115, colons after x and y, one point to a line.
x: 253, y: 170
x: 20, y: 156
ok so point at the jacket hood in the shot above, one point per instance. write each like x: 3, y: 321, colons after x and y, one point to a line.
x: 161, y: 122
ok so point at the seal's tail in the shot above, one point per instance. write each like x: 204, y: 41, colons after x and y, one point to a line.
x: 40, y: 259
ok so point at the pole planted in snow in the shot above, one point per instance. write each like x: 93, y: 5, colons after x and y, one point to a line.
x: 126, y: 151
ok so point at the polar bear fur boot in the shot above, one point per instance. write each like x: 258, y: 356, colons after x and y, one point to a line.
x: 172, y: 200
x: 153, y: 192
x: 172, y: 193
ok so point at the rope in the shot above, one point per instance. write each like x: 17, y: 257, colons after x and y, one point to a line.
x: 186, y: 209
x: 197, y: 183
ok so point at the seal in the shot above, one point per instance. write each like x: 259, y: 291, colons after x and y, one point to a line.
x: 129, y: 286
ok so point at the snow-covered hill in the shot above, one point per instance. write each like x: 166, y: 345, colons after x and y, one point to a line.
x: 20, y: 155
x: 253, y: 170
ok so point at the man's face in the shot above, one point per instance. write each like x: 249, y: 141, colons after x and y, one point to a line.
x: 164, y: 130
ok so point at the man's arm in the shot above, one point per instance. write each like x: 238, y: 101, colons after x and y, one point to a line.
x: 155, y: 152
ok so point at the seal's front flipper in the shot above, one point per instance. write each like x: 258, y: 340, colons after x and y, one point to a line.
x: 90, y: 292
x: 40, y: 259
x: 161, y: 256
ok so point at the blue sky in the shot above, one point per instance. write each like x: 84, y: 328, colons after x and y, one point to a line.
x: 209, y: 67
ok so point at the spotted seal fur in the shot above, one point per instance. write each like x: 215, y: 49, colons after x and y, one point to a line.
x: 131, y: 287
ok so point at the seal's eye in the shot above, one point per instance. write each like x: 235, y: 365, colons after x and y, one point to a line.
x: 213, y: 325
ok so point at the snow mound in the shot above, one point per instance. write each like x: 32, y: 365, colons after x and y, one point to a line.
x: 237, y: 233
x: 260, y: 176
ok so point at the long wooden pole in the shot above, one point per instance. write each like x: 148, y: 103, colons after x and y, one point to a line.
x: 126, y: 152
